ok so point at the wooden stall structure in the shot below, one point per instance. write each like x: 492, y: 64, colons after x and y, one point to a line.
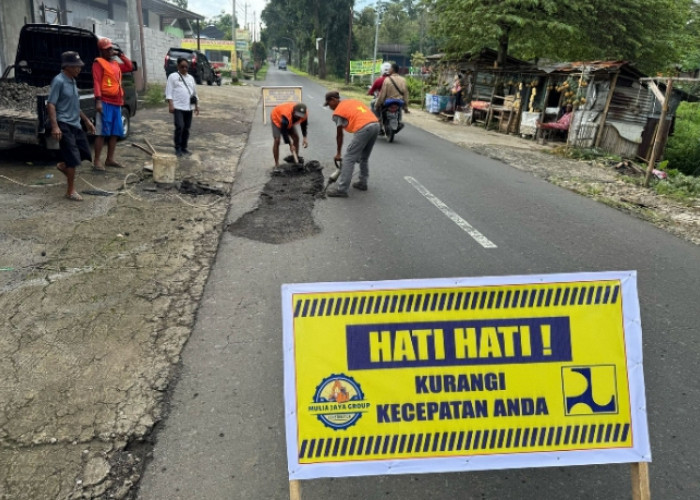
x: 615, y: 108
x: 485, y: 87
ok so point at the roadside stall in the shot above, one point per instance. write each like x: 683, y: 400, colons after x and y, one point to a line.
x: 491, y: 96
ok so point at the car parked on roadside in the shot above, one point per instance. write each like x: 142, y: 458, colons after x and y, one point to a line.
x: 200, y: 68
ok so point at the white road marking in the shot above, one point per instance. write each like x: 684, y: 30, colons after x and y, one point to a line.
x: 451, y: 214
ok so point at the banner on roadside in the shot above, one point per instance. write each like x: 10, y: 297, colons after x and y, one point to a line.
x: 272, y: 96
x: 365, y: 67
x: 394, y: 377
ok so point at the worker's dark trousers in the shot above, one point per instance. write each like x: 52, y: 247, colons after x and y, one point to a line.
x: 183, y: 121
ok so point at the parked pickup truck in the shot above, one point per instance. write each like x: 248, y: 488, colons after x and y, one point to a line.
x: 23, y: 115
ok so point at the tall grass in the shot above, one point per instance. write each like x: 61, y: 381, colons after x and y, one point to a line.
x: 683, y: 148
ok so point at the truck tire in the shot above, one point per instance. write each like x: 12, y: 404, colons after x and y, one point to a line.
x: 126, y: 122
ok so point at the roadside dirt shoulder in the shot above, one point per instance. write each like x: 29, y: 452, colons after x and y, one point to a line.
x: 99, y: 297
x: 589, y: 178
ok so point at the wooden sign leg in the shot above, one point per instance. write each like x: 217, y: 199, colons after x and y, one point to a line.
x: 640, y: 481
x: 295, y: 490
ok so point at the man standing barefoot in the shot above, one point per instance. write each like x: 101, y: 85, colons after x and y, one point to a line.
x: 63, y: 105
x: 109, y: 99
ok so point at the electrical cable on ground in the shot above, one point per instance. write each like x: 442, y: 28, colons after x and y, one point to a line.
x: 126, y: 190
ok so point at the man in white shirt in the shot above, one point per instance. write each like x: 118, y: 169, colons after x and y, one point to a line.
x: 181, y: 94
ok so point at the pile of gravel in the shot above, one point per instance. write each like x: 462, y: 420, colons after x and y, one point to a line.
x: 20, y: 97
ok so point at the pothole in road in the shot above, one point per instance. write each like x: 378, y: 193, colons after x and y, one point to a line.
x: 284, y: 212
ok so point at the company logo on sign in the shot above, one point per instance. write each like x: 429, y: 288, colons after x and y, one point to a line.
x: 338, y: 402
x: 590, y: 390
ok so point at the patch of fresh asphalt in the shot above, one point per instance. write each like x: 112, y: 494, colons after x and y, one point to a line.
x: 285, y: 209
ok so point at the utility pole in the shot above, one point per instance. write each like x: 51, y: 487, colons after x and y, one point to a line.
x: 347, y: 61
x: 234, y: 64
x: 422, y: 30
x: 660, y: 134
x: 376, y: 39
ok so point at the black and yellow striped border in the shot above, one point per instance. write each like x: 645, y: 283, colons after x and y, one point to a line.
x: 430, y: 301
x: 456, y: 442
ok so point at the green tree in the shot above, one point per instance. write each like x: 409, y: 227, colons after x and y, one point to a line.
x: 645, y: 32
x: 259, y: 53
x: 305, y: 21
x: 223, y: 23
x: 396, y: 26
x: 690, y: 40
x: 648, y: 33
x: 470, y: 25
x: 363, y: 27
x: 180, y: 3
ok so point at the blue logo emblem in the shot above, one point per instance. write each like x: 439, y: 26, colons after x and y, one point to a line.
x: 590, y: 390
x: 338, y: 402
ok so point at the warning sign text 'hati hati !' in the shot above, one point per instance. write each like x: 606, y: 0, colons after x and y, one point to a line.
x: 526, y: 340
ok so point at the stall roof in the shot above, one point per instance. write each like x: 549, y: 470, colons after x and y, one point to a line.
x: 591, y: 66
x: 393, y: 48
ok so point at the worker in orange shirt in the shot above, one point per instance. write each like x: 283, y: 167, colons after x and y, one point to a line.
x: 109, y: 99
x: 284, y: 117
x: 355, y: 117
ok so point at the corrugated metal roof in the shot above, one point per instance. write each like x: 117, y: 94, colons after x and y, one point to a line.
x: 578, y: 66
x: 393, y: 48
x: 591, y: 67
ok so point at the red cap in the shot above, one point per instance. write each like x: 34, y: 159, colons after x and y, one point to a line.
x: 104, y: 43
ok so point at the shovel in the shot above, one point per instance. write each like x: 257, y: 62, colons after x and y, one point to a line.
x: 149, y: 153
x: 334, y: 176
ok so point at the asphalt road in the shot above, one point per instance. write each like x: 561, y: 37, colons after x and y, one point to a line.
x: 225, y: 435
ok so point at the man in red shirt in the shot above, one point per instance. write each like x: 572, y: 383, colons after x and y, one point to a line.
x: 109, y: 99
x: 356, y: 118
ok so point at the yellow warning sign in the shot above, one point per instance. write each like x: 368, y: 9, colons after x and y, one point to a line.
x: 440, y: 375
x: 273, y: 96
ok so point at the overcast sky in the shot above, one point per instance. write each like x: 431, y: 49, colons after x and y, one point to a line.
x: 212, y: 8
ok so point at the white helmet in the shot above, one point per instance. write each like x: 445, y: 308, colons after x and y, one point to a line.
x: 386, y: 68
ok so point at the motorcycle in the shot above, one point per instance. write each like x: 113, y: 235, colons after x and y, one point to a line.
x: 217, y: 76
x: 391, y: 118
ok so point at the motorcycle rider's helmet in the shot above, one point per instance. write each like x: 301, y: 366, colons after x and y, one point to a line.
x: 386, y: 68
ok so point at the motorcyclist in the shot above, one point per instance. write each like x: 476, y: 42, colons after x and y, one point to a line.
x: 393, y: 87
x: 377, y: 86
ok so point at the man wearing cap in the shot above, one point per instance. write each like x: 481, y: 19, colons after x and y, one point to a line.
x: 283, y: 117
x: 355, y: 117
x: 109, y: 99
x: 63, y: 106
